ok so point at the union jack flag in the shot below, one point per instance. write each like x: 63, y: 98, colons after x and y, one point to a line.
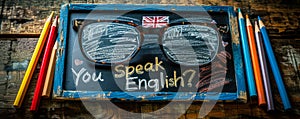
x: 155, y: 21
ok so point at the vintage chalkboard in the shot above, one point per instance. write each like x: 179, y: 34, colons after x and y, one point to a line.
x: 148, y: 52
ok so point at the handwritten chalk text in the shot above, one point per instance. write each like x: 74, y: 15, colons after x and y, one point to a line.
x: 86, y: 76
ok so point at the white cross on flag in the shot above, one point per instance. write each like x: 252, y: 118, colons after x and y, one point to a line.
x: 155, y: 21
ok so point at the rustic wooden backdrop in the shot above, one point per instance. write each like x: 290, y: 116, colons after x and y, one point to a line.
x: 21, y: 22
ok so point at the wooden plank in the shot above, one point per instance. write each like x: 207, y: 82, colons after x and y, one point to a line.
x: 9, y: 35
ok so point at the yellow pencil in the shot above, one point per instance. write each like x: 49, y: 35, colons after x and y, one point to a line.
x: 32, y: 64
x: 50, y: 73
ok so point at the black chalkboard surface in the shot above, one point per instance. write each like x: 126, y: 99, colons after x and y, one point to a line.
x: 152, y: 52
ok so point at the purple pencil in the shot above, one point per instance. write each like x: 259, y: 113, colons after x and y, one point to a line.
x: 264, y: 68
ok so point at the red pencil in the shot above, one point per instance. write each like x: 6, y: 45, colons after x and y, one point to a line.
x: 44, y: 67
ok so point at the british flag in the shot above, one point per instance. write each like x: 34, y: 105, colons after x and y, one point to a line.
x: 155, y: 21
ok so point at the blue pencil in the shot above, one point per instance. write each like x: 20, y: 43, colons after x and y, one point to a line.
x: 274, y: 66
x: 246, y: 52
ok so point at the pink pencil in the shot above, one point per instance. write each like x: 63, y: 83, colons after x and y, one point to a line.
x: 44, y: 67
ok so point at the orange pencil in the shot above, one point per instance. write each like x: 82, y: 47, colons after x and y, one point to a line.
x: 50, y: 73
x: 255, y: 63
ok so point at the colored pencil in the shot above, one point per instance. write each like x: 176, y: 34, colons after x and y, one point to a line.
x: 264, y: 68
x: 255, y: 63
x: 274, y: 66
x: 247, y: 59
x: 33, y: 62
x: 50, y: 73
x: 41, y: 79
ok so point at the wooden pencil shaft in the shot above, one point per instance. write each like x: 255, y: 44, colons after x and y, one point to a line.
x: 247, y: 59
x: 32, y: 64
x: 274, y: 66
x: 50, y: 73
x: 255, y: 63
x: 44, y: 66
x: 264, y: 69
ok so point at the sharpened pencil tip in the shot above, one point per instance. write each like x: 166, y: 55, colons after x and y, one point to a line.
x: 248, y: 22
x: 55, y: 21
x: 260, y: 23
x: 51, y: 16
x: 55, y: 45
x: 258, y: 18
x: 240, y: 16
x: 256, y: 26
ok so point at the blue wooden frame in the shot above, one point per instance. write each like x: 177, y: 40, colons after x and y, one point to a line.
x: 60, y: 93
